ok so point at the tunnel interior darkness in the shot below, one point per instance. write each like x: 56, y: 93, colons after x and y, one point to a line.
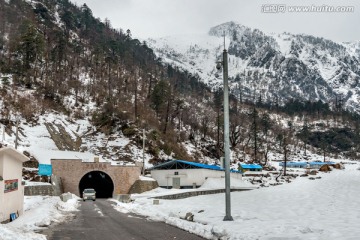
x: 99, y: 181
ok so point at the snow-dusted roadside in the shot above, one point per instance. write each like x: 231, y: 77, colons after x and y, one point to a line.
x: 326, y: 208
x: 39, y: 212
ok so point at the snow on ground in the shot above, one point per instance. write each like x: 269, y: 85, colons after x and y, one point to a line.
x: 39, y: 212
x: 219, y: 183
x: 326, y: 208
x: 209, y: 184
x: 39, y: 143
x: 37, y: 137
x: 146, y: 178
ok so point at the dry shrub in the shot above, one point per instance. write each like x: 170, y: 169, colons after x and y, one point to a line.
x: 79, y: 114
x: 28, y: 107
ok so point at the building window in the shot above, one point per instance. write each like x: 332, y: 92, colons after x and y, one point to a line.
x: 176, y: 173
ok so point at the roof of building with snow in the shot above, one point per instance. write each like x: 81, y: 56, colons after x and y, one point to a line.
x: 14, y: 153
x: 181, y: 164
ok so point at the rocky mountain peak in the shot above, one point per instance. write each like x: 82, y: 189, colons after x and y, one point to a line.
x: 286, y: 66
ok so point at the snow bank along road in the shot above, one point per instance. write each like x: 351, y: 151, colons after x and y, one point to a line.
x: 321, y: 209
x: 99, y: 220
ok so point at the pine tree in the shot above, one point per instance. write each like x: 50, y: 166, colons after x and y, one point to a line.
x: 159, y: 96
x: 255, y: 131
x: 30, y: 49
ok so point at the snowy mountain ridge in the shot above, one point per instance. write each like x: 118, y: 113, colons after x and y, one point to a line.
x: 278, y: 67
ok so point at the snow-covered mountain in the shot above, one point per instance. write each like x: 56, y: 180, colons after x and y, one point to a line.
x: 275, y: 67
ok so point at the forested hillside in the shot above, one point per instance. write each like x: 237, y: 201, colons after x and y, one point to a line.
x: 69, y: 59
x: 57, y: 57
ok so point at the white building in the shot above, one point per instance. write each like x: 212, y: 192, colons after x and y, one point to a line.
x: 184, y: 174
x: 11, y: 188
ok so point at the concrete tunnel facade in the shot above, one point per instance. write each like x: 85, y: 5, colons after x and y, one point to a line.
x: 76, y: 175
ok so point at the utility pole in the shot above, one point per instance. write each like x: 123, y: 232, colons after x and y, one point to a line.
x: 285, y: 158
x: 3, y: 127
x: 255, y: 134
x: 3, y: 133
x: 143, y: 156
x: 17, y: 132
x: 224, y: 63
x: 228, y: 216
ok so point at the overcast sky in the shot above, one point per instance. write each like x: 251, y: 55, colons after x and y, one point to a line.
x: 156, y: 18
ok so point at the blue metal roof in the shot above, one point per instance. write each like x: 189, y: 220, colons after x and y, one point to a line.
x: 303, y: 164
x: 201, y: 165
x: 194, y: 164
x: 251, y: 166
x: 293, y: 164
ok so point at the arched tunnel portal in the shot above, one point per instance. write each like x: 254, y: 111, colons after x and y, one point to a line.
x: 98, y: 180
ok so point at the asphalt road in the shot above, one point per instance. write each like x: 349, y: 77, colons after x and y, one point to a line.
x: 99, y: 220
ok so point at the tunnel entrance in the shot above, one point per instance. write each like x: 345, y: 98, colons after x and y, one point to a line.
x: 100, y: 181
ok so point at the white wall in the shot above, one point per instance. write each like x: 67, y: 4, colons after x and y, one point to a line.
x: 187, y: 176
x: 1, y: 166
x: 12, y: 202
x: 2, y: 217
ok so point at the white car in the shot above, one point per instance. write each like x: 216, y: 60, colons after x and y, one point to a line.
x: 89, y: 194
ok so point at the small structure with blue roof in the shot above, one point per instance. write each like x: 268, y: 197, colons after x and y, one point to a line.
x: 315, y: 164
x: 250, y: 167
x: 294, y: 164
x: 185, y: 174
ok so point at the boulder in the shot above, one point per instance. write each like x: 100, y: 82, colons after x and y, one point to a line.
x: 44, y: 179
x: 189, y: 216
x: 325, y: 168
x: 37, y: 179
x: 338, y: 166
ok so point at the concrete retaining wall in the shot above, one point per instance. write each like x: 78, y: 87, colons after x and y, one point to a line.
x: 197, y: 193
x: 55, y: 189
x: 141, y: 186
x: 43, y: 190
